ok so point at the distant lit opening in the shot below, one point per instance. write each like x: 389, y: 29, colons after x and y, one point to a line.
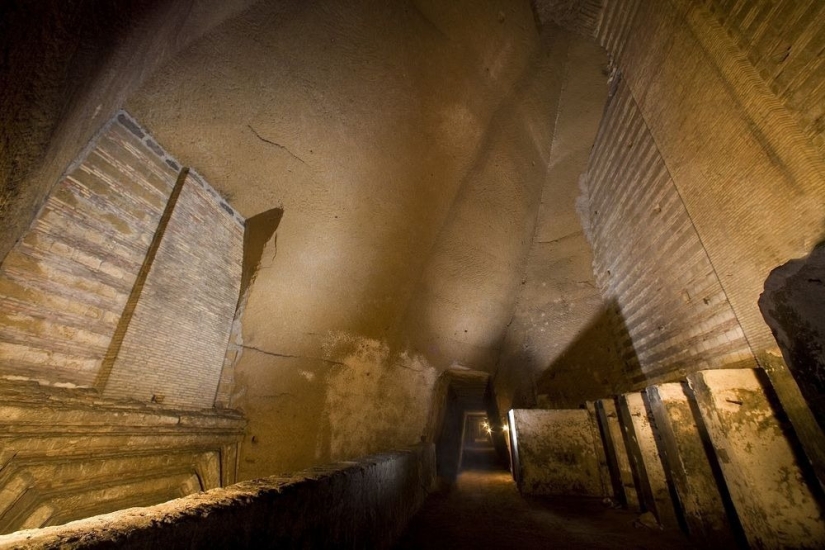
x: 477, y: 449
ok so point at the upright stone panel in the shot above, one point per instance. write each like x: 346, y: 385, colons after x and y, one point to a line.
x: 621, y: 474
x: 599, y: 446
x: 690, y: 468
x: 556, y: 453
x: 767, y: 484
x: 644, y: 456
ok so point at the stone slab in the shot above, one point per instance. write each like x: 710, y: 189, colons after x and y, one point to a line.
x: 621, y: 475
x: 767, y: 484
x: 556, y: 453
x: 360, y: 504
x: 654, y: 490
x: 692, y: 471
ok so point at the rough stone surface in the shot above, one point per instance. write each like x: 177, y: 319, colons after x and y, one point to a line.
x: 67, y: 454
x: 361, y: 504
x: 558, y: 332
x: 688, y: 461
x: 793, y: 304
x: 173, y: 345
x: 621, y: 474
x: 386, y: 133
x: 420, y: 152
x: 68, y: 68
x: 643, y: 451
x: 767, y: 483
x: 556, y: 453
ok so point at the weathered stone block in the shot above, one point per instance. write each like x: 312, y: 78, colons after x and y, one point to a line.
x: 556, y: 453
x: 767, y: 483
x: 690, y: 468
x: 654, y: 491
x: 621, y: 474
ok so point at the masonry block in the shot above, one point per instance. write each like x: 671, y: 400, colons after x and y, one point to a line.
x: 768, y: 484
x: 654, y: 491
x: 556, y: 453
x: 689, y: 465
x: 621, y: 474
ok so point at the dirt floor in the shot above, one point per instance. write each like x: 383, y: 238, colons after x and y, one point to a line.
x: 485, y: 510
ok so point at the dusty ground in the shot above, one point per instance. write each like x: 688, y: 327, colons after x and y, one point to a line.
x: 485, y: 510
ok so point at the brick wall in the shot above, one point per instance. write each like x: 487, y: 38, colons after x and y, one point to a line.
x: 126, y: 281
x: 749, y: 176
x: 725, y: 117
x: 64, y: 285
x: 784, y: 41
x: 670, y: 308
x: 172, y: 350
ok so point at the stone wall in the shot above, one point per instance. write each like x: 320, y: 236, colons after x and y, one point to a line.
x: 557, y: 453
x: 783, y: 41
x: 558, y: 344
x: 125, y: 285
x: 126, y: 281
x: 749, y: 175
x: 670, y: 310
x: 64, y: 286
x: 361, y: 504
x: 174, y: 343
x: 68, y: 454
x: 731, y: 132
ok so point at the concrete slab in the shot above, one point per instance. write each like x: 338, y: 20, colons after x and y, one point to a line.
x: 556, y: 453
x: 767, y: 483
x: 691, y: 469
x: 654, y: 490
x: 621, y: 474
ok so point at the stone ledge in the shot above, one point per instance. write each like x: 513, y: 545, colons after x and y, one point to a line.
x: 364, y: 503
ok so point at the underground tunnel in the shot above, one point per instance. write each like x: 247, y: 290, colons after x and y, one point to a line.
x: 412, y: 274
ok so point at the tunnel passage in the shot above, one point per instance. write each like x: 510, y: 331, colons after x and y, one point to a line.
x: 581, y: 199
x: 467, y: 405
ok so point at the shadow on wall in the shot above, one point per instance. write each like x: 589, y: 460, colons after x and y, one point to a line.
x: 600, y: 361
x: 793, y: 305
x: 258, y: 231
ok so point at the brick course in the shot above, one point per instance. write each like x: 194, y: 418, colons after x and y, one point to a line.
x: 173, y: 349
x: 64, y: 285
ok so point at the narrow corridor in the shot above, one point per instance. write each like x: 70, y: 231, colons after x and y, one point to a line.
x: 485, y: 510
